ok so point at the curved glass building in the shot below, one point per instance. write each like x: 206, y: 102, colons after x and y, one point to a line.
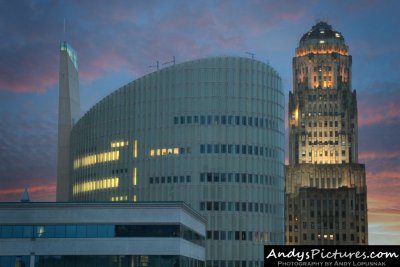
x: 209, y: 132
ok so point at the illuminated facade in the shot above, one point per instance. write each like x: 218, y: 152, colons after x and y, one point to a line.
x: 209, y: 132
x: 68, y: 115
x: 325, y: 185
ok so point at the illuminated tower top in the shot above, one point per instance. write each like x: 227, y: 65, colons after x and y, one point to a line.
x: 322, y: 106
x: 322, y: 60
x: 322, y: 39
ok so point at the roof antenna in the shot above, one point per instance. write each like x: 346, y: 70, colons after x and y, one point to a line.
x: 251, y: 54
x: 169, y: 62
x: 64, y: 29
x: 155, y: 66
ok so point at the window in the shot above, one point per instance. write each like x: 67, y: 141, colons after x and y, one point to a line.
x: 216, y: 119
x: 244, y: 178
x: 202, y: 119
x: 237, y: 149
x: 237, y: 120
x: 223, y: 177
x: 237, y: 235
x: 223, y: 149
x: 209, y: 119
x: 223, y: 120
x: 230, y: 120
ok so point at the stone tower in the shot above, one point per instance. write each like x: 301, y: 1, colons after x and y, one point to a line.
x: 325, y: 186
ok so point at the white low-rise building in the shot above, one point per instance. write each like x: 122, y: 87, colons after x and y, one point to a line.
x: 101, y: 234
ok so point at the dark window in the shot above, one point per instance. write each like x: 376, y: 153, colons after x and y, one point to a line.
x: 230, y: 120
x: 209, y: 148
x: 223, y: 148
x: 209, y: 119
x: 223, y: 177
x: 202, y: 177
x: 223, y: 120
x: 237, y: 120
x: 244, y: 180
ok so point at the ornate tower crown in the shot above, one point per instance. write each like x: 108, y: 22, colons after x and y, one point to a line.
x: 322, y: 39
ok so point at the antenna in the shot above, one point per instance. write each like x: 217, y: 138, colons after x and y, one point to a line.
x: 169, y: 62
x: 251, y: 54
x: 64, y: 29
x: 155, y: 66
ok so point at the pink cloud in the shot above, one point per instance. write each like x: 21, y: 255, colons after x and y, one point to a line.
x: 372, y: 155
x: 372, y: 114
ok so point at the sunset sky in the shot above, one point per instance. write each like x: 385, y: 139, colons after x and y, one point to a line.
x: 117, y: 42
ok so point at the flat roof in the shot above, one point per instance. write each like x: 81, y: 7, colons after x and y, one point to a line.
x: 121, y: 204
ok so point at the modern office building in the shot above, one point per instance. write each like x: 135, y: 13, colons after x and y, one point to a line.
x: 326, y: 192
x: 68, y: 115
x: 101, y: 234
x: 209, y: 132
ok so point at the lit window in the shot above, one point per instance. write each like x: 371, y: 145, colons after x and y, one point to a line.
x: 321, y: 41
x: 134, y: 176
x: 135, y: 149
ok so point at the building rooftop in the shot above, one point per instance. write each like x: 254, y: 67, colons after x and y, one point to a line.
x: 322, y: 31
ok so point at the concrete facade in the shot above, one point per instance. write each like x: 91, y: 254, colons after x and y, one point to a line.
x: 323, y: 146
x: 209, y: 132
x: 18, y: 239
x: 68, y: 115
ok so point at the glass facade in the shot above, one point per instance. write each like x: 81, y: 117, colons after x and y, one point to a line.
x: 102, y: 261
x: 14, y: 261
x: 99, y: 231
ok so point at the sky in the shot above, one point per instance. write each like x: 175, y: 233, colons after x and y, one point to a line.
x: 117, y: 41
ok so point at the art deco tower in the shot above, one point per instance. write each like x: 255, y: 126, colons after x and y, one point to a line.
x: 68, y: 115
x: 325, y: 185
